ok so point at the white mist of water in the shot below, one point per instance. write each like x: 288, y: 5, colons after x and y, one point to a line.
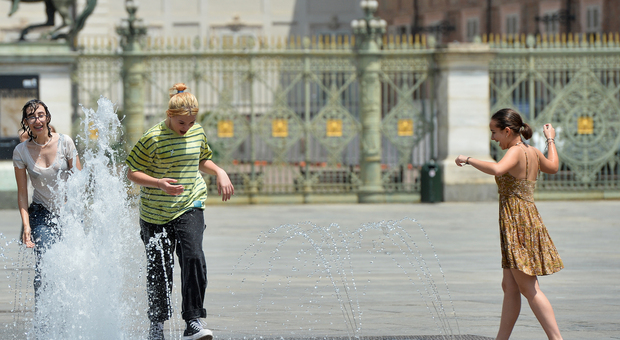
x: 93, y: 282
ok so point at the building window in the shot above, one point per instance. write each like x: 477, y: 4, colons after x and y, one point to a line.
x: 551, y: 22
x: 435, y: 28
x: 398, y: 30
x: 473, y: 28
x: 512, y: 24
x: 593, y: 19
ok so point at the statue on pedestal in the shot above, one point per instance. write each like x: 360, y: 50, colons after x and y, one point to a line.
x: 64, y: 8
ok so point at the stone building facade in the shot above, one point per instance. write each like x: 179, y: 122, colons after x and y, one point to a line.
x: 462, y: 20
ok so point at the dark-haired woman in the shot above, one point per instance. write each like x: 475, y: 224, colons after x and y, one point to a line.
x: 527, y: 249
x: 42, y: 157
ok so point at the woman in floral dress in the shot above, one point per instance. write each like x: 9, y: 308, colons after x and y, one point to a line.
x: 527, y: 249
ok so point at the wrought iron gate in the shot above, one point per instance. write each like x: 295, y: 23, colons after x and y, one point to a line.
x: 575, y: 85
x: 283, y: 118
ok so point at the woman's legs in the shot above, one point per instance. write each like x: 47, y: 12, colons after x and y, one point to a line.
x: 511, y: 306
x: 528, y: 286
x: 44, y: 234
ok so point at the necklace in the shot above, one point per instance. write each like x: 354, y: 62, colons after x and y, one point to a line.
x: 42, y: 145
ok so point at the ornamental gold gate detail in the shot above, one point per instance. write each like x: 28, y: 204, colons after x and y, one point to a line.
x: 575, y: 87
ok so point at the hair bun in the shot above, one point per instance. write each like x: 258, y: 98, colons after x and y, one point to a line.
x: 180, y: 87
x: 176, y: 89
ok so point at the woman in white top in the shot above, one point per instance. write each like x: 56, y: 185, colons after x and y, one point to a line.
x: 41, y: 157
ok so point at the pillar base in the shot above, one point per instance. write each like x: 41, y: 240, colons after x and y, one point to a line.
x: 467, y: 184
x: 469, y: 192
x: 371, y: 197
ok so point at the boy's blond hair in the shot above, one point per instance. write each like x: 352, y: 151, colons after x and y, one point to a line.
x: 182, y: 103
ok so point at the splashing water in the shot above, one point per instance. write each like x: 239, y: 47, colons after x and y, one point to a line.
x: 88, y: 271
x: 93, y: 281
x: 343, y: 277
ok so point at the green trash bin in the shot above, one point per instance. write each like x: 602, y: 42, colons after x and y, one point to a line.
x: 431, y: 188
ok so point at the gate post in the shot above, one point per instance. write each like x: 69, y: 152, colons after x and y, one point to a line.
x: 131, y: 31
x: 369, y: 32
x: 463, y: 119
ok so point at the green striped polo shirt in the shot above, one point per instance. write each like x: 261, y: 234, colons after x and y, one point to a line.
x: 163, y: 153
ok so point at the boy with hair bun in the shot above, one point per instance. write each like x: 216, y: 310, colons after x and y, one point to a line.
x: 166, y: 163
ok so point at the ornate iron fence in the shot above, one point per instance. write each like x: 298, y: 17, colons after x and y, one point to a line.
x: 572, y: 82
x: 283, y: 116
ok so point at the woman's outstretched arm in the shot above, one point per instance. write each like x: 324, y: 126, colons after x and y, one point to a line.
x: 509, y: 161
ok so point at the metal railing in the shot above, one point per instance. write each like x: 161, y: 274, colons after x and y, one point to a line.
x: 573, y: 82
x: 283, y: 115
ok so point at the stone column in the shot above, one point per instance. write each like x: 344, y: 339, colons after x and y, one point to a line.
x: 369, y: 65
x: 369, y: 33
x: 131, y: 31
x: 463, y: 119
x: 133, y: 98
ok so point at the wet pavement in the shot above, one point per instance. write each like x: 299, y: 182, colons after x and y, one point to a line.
x: 257, y: 285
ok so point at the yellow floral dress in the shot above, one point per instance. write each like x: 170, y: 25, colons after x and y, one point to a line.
x: 526, y: 244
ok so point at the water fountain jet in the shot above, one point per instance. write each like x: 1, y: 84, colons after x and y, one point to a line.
x: 310, y: 274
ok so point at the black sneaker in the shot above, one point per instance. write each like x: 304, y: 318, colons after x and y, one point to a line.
x: 156, y: 331
x: 195, y: 331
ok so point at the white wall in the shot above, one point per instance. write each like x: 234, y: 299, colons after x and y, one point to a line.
x: 202, y: 17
